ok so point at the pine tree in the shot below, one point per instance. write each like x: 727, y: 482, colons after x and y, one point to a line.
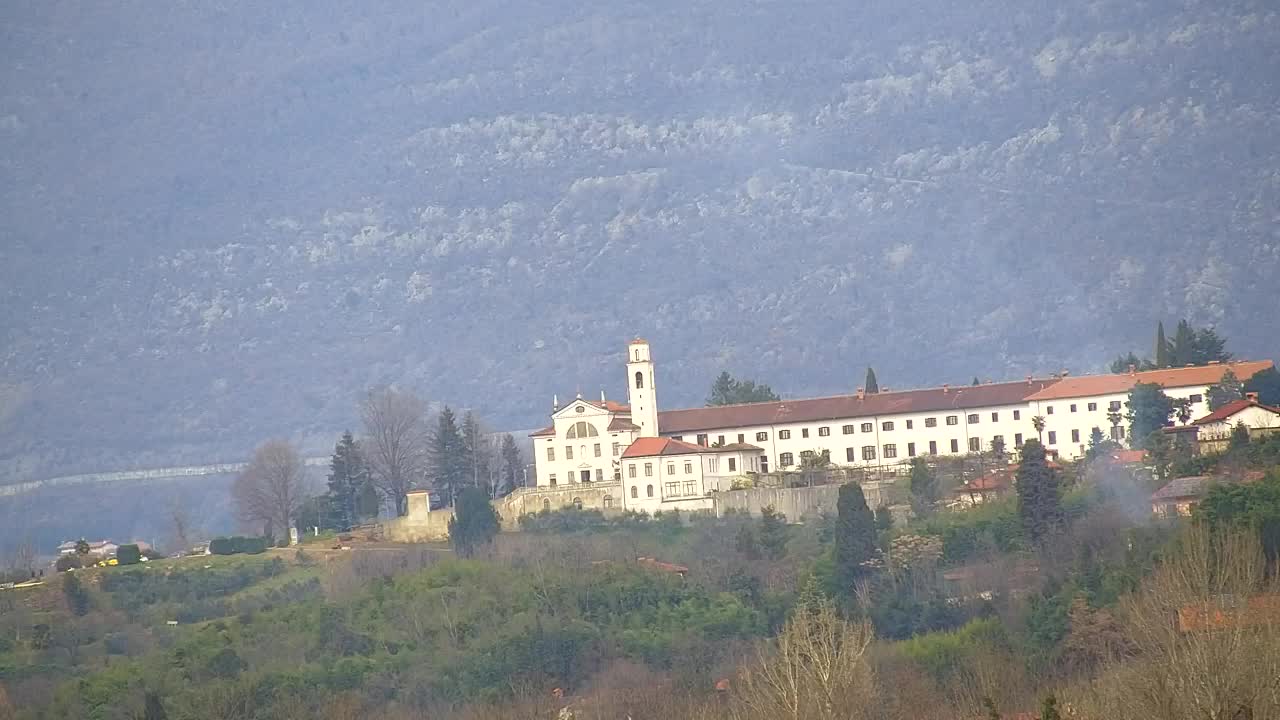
x: 722, y: 390
x: 1162, y: 347
x: 474, y: 523
x: 1039, y: 497
x: 368, y: 503
x: 75, y: 594
x: 512, y: 475
x: 1227, y: 389
x: 1182, y: 351
x: 347, y: 475
x: 728, y: 391
x: 450, y: 467
x: 975, y: 381
x: 924, y: 487
x: 855, y: 536
x: 1148, y: 410
x: 476, y: 443
x: 1239, y: 437
x: 1267, y: 384
x: 773, y: 533
x: 872, y: 386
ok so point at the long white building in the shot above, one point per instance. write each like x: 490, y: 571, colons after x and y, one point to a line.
x: 597, y: 441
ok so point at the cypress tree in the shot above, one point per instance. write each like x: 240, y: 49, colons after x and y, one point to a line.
x: 1162, y: 347
x: 512, y: 475
x: 924, y: 487
x: 855, y: 536
x: 450, y: 466
x: 1149, y: 410
x: 1039, y: 498
x: 474, y: 522
x: 872, y: 385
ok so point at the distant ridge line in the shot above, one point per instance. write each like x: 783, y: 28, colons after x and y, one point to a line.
x: 124, y: 475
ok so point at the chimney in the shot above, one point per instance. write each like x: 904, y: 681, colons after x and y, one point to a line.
x: 1251, y: 396
x: 1029, y: 379
x: 602, y: 400
x: 862, y: 393
x: 1065, y: 372
x: 1133, y: 369
x: 555, y: 403
x: 946, y: 388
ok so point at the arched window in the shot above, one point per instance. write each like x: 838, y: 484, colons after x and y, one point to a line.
x: 577, y: 503
x: 582, y: 430
x: 648, y: 491
x: 607, y: 501
x: 546, y: 505
x: 635, y: 492
x: 639, y: 380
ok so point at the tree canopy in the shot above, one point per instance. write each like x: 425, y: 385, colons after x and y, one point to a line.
x: 1227, y: 389
x: 729, y: 391
x: 474, y: 522
x: 1190, y: 346
x: 1039, y: 496
x: 1149, y: 410
x: 855, y: 536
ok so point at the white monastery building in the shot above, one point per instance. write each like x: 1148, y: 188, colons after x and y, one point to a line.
x: 676, y: 458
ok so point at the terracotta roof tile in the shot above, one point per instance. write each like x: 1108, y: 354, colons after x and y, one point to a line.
x: 1201, y: 375
x: 960, y: 397
x: 1232, y: 408
x: 651, y: 446
x: 544, y: 432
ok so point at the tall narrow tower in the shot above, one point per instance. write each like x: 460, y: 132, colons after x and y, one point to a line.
x: 641, y: 391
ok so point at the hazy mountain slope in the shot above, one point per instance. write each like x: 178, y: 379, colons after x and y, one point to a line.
x: 222, y: 223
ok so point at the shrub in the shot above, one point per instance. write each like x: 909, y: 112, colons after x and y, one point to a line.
x: 68, y: 562
x: 237, y: 544
x: 128, y: 554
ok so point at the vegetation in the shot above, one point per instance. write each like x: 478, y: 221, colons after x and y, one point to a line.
x: 728, y: 391
x: 237, y: 544
x: 1039, y: 495
x: 1148, y: 409
x: 1189, y: 346
x: 474, y: 523
x: 1227, y: 389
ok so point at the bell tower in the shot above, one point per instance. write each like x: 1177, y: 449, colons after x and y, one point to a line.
x: 641, y: 391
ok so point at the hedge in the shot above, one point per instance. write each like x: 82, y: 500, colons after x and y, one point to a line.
x: 237, y: 544
x: 128, y: 554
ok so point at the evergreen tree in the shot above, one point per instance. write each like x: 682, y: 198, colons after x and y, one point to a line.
x: 1267, y: 384
x: 1049, y: 709
x: 746, y: 543
x: 1148, y: 410
x: 924, y: 487
x: 1239, y: 437
x: 474, y: 523
x: 1209, y: 347
x: 1099, y: 445
x: 1182, y: 349
x: 728, y: 391
x: 153, y: 709
x: 75, y: 594
x: 975, y: 381
x: 1227, y: 389
x: 347, y: 475
x: 368, y: 503
x: 512, y: 475
x: 1121, y: 365
x: 855, y: 536
x: 1039, y: 497
x: 872, y: 386
x: 1162, y: 347
x: 82, y: 547
x: 476, y: 442
x: 773, y: 533
x: 450, y: 466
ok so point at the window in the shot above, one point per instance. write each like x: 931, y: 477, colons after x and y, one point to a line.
x: 1053, y: 437
x: 582, y: 430
x: 848, y: 455
x: 1113, y: 406
x: 1091, y: 407
x: 804, y: 432
x: 635, y: 491
x: 806, y: 455
x: 617, y: 447
x: 631, y: 470
x: 648, y: 491
x: 552, y: 479
x: 607, y: 501
x: 546, y: 504
x: 933, y: 447
x: 762, y: 436
x: 1075, y: 436
x: 786, y: 459
x: 868, y: 452
x: 733, y: 464
x: 997, y: 442
x: 579, y: 409
x: 868, y: 427
x: 586, y: 476
x: 1017, y: 440
x: 1073, y: 407
x: 702, y: 439
x: 784, y: 434
x: 688, y: 467
x: 953, y: 419
x: 648, y: 469
x: 671, y: 489
x: 995, y: 417
x: 741, y: 438
x: 671, y: 468
x: 568, y: 452
x: 596, y: 449
x: 1196, y: 398
x: 910, y: 425
x: 911, y: 449
x: 955, y: 446
x: 931, y: 422
x: 972, y: 419
x: 551, y: 454
x: 1048, y: 410
x: 720, y: 440
x: 690, y: 488
x: 887, y: 425
x: 1117, y: 432
x: 639, y: 380
x: 847, y: 429
x: 824, y: 432
x: 577, y: 503
x: 890, y: 451
x: 1017, y: 414
x: 975, y: 444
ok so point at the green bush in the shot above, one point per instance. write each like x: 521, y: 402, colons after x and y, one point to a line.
x: 128, y: 554
x: 67, y: 562
x: 237, y: 545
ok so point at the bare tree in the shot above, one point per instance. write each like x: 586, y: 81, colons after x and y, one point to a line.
x: 183, y: 528
x: 269, y: 491
x: 395, y: 443
x: 22, y: 561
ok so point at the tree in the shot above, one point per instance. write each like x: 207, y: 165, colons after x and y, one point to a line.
x: 267, y: 494
x: 395, y: 443
x: 773, y: 533
x: 1182, y: 410
x: 475, y: 440
x: 368, y: 504
x: 1266, y: 384
x: 153, y: 709
x: 183, y: 528
x: 75, y: 595
x: 450, y: 466
x: 1162, y: 347
x: 1182, y: 348
x: 1037, y: 422
x: 1099, y: 445
x: 1049, y: 708
x: 1227, y: 389
x: 1239, y: 437
x: 129, y: 554
x: 855, y: 537
x: 1039, y: 495
x: 728, y: 391
x: 1148, y: 410
x: 871, y: 385
x: 82, y: 547
x: 512, y: 475
x: 976, y: 383
x: 924, y: 487
x: 348, y: 474
x: 474, y: 522
x: 1196, y: 346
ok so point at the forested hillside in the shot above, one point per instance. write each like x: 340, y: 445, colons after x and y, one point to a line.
x: 223, y: 221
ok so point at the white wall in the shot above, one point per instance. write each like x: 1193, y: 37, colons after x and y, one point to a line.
x: 677, y: 482
x: 569, y: 470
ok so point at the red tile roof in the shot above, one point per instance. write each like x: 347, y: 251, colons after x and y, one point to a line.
x: 1129, y: 457
x: 651, y: 446
x: 1232, y: 408
x: 960, y: 397
x: 548, y: 431
x: 1201, y: 375
x: 737, y: 447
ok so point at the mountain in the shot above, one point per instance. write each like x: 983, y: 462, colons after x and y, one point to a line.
x: 222, y: 221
